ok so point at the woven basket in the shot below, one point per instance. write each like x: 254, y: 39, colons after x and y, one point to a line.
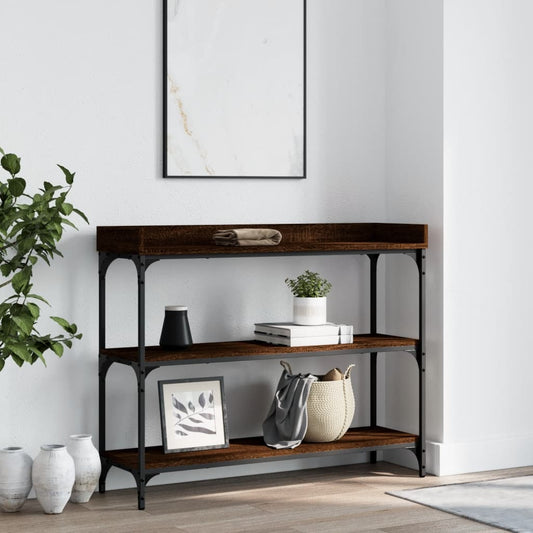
x: 330, y: 409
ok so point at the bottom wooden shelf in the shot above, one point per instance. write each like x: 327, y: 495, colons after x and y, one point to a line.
x: 253, y: 449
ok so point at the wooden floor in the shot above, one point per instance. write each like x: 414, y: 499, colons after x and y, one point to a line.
x: 340, y: 499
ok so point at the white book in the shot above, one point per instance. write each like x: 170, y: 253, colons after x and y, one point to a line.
x: 345, y: 329
x: 288, y: 329
x: 345, y: 339
x: 320, y: 340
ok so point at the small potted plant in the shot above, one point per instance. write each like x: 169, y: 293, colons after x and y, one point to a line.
x: 310, y: 302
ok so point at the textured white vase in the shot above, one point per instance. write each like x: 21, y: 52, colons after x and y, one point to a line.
x: 310, y: 311
x: 15, y: 478
x: 53, y: 477
x: 87, y: 467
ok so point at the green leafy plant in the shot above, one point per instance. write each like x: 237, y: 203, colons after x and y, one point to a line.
x: 309, y: 285
x: 30, y: 228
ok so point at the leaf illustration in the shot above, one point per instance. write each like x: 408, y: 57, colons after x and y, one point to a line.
x: 198, y: 429
x: 178, y: 405
x: 180, y: 433
x: 207, y: 416
x: 191, y: 407
x: 196, y: 421
x: 211, y: 398
x: 177, y: 415
x: 201, y: 400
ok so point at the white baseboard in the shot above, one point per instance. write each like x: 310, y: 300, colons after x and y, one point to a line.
x: 446, y: 459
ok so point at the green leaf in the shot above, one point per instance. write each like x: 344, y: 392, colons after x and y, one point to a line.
x: 37, y: 297
x: 2, y: 361
x: 20, y: 350
x: 69, y: 176
x: 2, y: 151
x: 16, y: 186
x: 17, y: 359
x: 66, y: 208
x: 67, y: 222
x: 25, y: 245
x: 25, y: 323
x: 62, y: 322
x: 21, y: 280
x: 67, y: 343
x: 34, y: 309
x: 81, y: 214
x: 11, y: 163
x: 36, y: 352
x: 5, y: 269
x: 57, y: 348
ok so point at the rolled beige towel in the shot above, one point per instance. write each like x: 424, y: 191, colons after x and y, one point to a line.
x: 334, y: 374
x: 247, y: 237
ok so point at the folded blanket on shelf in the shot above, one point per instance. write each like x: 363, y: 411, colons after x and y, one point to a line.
x: 247, y: 237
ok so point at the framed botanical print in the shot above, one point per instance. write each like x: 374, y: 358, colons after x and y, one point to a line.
x: 193, y: 414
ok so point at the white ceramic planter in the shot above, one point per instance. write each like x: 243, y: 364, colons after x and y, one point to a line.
x: 310, y: 311
x: 15, y: 478
x: 87, y: 467
x: 53, y: 477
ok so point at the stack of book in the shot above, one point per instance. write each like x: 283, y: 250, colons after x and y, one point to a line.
x: 289, y: 334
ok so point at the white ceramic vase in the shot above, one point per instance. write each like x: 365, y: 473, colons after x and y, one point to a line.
x: 15, y: 478
x: 53, y: 477
x: 87, y: 467
x: 310, y: 311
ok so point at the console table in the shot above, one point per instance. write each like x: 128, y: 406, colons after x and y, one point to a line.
x: 144, y: 245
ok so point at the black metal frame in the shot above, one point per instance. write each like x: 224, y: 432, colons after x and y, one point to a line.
x: 142, y: 368
x: 165, y: 106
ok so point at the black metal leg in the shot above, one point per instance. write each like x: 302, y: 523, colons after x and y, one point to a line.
x: 373, y: 398
x: 141, y: 377
x: 105, y: 469
x: 141, y: 485
x: 421, y: 359
x: 103, y: 364
x: 101, y: 423
x: 373, y: 356
x: 141, y: 480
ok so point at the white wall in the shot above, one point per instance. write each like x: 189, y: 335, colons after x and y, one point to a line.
x: 418, y: 111
x: 459, y: 113
x: 488, y: 112
x: 414, y: 195
x: 81, y: 86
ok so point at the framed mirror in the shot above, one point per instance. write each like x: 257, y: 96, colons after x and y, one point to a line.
x: 234, y: 88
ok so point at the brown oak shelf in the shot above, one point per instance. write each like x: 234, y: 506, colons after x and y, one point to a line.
x: 252, y: 449
x: 297, y: 238
x: 212, y: 352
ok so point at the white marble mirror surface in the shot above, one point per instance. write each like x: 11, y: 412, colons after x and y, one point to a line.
x: 235, y: 88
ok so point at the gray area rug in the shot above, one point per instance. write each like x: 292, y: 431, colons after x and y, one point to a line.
x: 505, y: 503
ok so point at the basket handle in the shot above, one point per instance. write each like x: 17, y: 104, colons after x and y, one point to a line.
x: 348, y: 370
x: 286, y: 366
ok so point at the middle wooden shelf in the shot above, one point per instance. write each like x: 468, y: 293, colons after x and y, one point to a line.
x: 211, y: 352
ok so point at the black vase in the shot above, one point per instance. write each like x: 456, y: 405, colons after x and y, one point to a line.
x: 176, y: 333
